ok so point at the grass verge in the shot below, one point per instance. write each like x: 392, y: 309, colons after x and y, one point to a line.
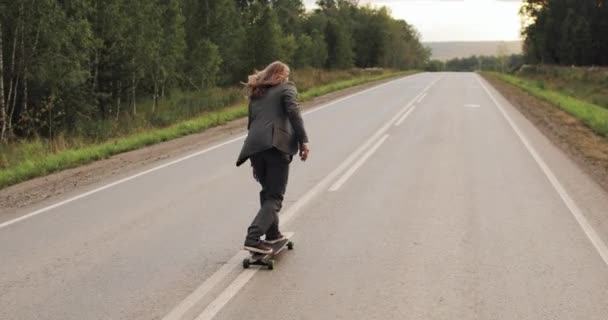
x: 585, y: 83
x: 38, y: 165
x: 594, y: 116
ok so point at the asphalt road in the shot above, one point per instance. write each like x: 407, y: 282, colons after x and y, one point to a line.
x: 428, y: 197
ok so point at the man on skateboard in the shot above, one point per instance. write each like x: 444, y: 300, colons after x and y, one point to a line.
x: 276, y: 134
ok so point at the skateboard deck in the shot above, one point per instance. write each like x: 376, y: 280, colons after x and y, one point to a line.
x: 266, y: 260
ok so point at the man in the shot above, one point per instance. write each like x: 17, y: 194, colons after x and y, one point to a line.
x: 276, y: 134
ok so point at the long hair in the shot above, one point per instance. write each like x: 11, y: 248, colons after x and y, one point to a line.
x: 259, y: 82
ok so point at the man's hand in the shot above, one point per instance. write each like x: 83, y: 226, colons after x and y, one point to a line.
x: 304, y: 151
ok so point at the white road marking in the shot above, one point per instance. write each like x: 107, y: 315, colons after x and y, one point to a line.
x: 216, y: 305
x: 374, y: 137
x: 200, y: 292
x: 225, y: 296
x: 472, y: 106
x: 422, y: 98
x: 595, y: 239
x: 405, y: 116
x: 165, y: 165
x: 357, y: 165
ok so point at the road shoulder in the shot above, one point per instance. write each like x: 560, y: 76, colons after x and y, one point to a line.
x: 553, y: 134
x: 579, y: 142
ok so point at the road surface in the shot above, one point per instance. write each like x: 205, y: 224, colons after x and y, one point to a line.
x: 429, y: 197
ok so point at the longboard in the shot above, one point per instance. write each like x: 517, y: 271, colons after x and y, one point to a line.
x: 266, y: 260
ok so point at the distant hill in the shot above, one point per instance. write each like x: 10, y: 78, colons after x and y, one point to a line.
x: 450, y: 50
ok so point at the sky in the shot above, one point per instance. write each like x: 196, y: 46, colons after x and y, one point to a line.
x: 456, y: 20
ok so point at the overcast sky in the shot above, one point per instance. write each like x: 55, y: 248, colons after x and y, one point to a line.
x: 456, y: 20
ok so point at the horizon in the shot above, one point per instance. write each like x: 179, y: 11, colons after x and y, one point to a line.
x: 455, y: 20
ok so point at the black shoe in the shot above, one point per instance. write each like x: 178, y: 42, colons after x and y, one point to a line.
x: 259, y: 247
x: 275, y: 239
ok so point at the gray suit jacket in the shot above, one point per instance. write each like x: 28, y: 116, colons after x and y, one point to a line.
x: 274, y: 122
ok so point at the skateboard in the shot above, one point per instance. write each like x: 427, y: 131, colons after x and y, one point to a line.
x: 266, y: 260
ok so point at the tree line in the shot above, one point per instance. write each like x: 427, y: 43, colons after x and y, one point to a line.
x: 566, y: 32
x: 64, y: 63
x: 498, y: 63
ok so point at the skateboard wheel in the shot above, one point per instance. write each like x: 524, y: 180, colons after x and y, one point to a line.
x: 270, y: 264
x: 290, y: 245
x: 246, y: 263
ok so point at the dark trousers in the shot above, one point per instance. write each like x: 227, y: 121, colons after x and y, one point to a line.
x: 271, y: 169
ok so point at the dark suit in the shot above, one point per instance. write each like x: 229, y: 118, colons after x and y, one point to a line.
x: 274, y: 122
x: 276, y: 130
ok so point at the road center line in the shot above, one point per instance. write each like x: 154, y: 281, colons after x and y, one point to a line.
x: 216, y: 305
x: 176, y: 161
x: 422, y: 98
x: 405, y: 116
x: 595, y: 239
x: 336, y: 186
x: 200, y: 292
x: 408, y: 110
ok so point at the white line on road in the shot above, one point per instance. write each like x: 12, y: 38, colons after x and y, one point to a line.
x: 165, y: 165
x: 405, y: 116
x: 408, y: 110
x: 595, y: 239
x: 216, y: 305
x: 422, y: 98
x: 472, y: 106
x: 336, y: 186
x: 200, y: 292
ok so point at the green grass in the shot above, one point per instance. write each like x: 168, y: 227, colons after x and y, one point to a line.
x: 590, y: 114
x: 584, y: 83
x: 35, y: 158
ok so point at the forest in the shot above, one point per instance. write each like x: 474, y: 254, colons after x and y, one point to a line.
x: 79, y: 67
x: 500, y: 63
x: 565, y: 32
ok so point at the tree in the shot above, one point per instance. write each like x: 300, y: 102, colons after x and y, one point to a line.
x: 305, y: 50
x: 291, y: 12
x: 143, y: 41
x: 599, y: 33
x: 220, y: 22
x: 565, y: 32
x: 44, y: 65
x: 110, y: 55
x: 319, y: 55
x: 3, y: 112
x: 204, y: 63
x: 337, y: 32
x: 435, y: 66
x: 172, y: 47
x: 264, y: 35
x: 502, y: 53
x: 370, y: 36
x: 289, y: 46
